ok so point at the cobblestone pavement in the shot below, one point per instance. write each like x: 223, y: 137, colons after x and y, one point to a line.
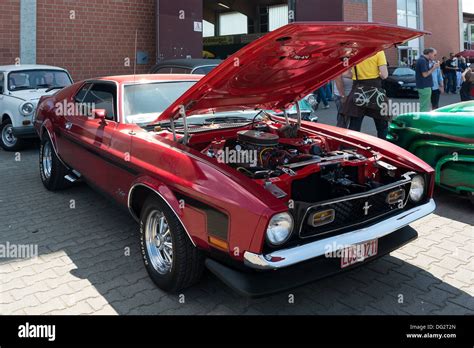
x: 84, y: 266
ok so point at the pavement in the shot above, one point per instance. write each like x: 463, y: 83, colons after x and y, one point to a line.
x: 89, y: 261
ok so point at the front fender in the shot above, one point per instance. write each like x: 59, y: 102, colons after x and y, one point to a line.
x: 158, y: 188
x: 46, y: 128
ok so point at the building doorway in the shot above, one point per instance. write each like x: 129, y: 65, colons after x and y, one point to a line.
x: 406, y: 56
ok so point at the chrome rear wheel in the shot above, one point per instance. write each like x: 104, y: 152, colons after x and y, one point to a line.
x: 47, y: 160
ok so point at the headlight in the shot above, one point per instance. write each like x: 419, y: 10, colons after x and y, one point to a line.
x: 417, y: 189
x: 27, y: 109
x: 279, y: 229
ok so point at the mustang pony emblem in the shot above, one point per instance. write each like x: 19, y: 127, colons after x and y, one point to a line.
x: 366, y: 208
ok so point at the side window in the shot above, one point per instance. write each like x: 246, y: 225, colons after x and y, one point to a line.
x: 177, y: 70
x: 2, y: 82
x: 103, y: 96
x: 164, y: 70
x: 82, y: 93
x: 203, y: 70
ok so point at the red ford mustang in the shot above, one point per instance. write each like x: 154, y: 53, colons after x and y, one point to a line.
x: 265, y: 203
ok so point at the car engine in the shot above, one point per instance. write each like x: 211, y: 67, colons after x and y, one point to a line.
x: 303, y: 167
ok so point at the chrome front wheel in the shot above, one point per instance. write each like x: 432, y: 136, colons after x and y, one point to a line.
x: 170, y: 258
x: 158, y: 242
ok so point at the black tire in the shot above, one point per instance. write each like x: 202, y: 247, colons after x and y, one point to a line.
x: 15, y: 144
x: 187, y: 261
x: 55, y: 181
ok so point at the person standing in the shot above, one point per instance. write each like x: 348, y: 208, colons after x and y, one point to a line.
x: 443, y: 70
x: 424, y: 80
x: 467, y: 85
x: 438, y: 87
x: 342, y: 88
x: 451, y: 68
x: 322, y: 96
x: 367, y: 94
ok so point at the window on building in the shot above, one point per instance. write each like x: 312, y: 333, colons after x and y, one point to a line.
x: 277, y: 16
x: 233, y: 23
x: 209, y: 29
x: 408, y: 15
x: 468, y: 36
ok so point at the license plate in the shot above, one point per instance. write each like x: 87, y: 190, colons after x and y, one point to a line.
x: 359, y: 253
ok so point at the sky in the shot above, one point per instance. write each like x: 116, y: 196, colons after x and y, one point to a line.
x: 468, y: 6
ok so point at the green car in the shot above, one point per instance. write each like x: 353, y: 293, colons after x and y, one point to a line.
x: 443, y: 138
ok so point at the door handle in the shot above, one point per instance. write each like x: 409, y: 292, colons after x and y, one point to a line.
x: 68, y: 125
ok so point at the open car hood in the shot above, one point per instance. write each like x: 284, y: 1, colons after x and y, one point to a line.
x: 286, y: 65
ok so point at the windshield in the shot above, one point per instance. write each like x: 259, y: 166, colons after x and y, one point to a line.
x: 36, y: 79
x: 403, y: 72
x: 143, y: 103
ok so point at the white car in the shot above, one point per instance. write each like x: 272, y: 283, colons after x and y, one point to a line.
x: 21, y: 87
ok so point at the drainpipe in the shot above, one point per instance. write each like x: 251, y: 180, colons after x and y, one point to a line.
x: 292, y: 10
x: 28, y: 31
x: 370, y: 11
x: 421, y: 16
x: 461, y: 29
x: 157, y: 30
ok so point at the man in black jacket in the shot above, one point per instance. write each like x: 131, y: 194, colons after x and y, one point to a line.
x: 451, y: 69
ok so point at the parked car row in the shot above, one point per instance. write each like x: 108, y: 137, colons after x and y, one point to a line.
x: 217, y: 179
x: 21, y: 87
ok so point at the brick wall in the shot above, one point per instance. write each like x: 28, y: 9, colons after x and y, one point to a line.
x: 99, y: 39
x: 355, y: 11
x: 386, y: 11
x: 444, y: 26
x: 9, y: 31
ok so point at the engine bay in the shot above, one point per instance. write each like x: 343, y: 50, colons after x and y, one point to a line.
x: 293, y: 164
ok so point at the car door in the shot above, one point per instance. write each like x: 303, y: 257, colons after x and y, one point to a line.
x: 88, y: 138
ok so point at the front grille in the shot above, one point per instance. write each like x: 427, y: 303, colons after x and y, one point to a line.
x: 356, y: 210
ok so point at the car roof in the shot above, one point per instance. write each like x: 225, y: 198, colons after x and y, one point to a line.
x: 145, y: 78
x: 9, y: 68
x: 187, y: 63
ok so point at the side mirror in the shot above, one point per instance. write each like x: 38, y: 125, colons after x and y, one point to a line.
x: 99, y: 114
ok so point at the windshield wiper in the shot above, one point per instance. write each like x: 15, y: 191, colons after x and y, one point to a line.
x: 235, y: 119
x: 43, y: 85
x: 21, y: 88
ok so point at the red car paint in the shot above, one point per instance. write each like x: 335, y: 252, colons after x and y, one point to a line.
x: 116, y: 157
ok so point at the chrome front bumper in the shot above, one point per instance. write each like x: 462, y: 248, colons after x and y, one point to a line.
x: 287, y: 257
